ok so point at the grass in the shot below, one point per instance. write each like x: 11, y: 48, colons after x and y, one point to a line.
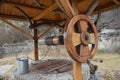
x: 110, y: 61
x: 108, y: 75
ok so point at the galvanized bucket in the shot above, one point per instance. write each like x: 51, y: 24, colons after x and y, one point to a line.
x: 22, y: 66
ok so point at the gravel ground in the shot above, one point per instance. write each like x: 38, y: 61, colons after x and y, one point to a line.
x: 5, y: 68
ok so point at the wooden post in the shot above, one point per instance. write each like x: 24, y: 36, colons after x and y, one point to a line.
x: 36, y: 44
x: 77, y: 70
x: 77, y: 67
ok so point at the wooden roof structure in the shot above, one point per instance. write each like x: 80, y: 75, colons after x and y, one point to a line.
x: 39, y: 12
x: 46, y: 9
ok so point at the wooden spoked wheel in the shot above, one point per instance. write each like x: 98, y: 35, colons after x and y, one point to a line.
x: 81, y: 38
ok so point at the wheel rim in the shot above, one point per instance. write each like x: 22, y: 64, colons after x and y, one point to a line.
x: 72, y: 39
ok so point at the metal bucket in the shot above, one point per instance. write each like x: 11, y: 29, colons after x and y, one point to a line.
x: 22, y: 66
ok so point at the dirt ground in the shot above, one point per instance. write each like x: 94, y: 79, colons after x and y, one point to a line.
x: 108, y: 70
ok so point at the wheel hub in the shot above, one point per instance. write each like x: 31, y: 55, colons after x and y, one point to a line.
x: 85, y: 38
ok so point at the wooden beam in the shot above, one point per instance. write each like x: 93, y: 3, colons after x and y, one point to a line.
x: 39, y: 4
x: 74, y: 4
x: 13, y: 17
x: 67, y: 7
x: 116, y: 1
x: 36, y: 44
x: 17, y: 28
x: 44, y: 32
x: 45, y: 12
x: 22, y: 5
x: 24, y: 14
x: 21, y: 18
x: 59, y: 4
x: 105, y: 7
x: 92, y: 7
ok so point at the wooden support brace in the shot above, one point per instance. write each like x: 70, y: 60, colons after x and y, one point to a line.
x: 116, y: 1
x: 24, y: 14
x: 98, y: 18
x: 39, y: 4
x: 17, y: 28
x: 45, y: 12
x: 92, y: 7
x: 57, y: 1
x: 44, y: 32
x: 64, y: 4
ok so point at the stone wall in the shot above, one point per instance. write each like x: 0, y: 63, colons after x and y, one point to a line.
x: 111, y: 45
x: 17, y: 47
x: 109, y: 26
x: 28, y: 45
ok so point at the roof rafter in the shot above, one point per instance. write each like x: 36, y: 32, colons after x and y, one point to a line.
x: 23, y: 5
x: 14, y: 17
x: 105, y: 7
x: 116, y: 1
x: 47, y: 11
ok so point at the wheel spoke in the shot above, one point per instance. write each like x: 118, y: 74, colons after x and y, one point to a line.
x: 76, y: 39
x: 92, y: 38
x: 83, y: 26
x: 85, y: 51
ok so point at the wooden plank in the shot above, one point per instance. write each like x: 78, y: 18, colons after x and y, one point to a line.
x: 45, y: 12
x: 36, y: 44
x: 65, y: 69
x: 17, y: 28
x: 77, y: 70
x: 58, y: 67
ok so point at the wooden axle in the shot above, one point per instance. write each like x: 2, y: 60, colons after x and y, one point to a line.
x: 55, y: 40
